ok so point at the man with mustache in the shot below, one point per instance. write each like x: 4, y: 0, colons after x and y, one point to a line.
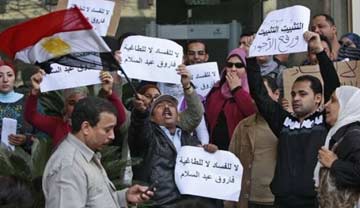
x: 155, y: 137
x: 74, y: 176
x: 195, y: 52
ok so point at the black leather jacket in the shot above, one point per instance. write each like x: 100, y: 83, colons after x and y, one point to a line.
x: 149, y: 142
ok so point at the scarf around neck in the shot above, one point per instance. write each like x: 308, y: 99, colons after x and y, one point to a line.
x: 268, y: 67
x: 10, y: 97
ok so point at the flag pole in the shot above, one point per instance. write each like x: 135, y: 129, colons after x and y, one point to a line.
x: 129, y: 81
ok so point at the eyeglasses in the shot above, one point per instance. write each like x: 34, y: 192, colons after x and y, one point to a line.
x: 237, y: 65
x: 200, y: 53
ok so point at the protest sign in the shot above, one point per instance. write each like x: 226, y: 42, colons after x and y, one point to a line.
x: 204, y: 76
x: 151, y: 59
x: 282, y: 32
x: 348, y: 72
x: 63, y: 77
x: 8, y: 127
x: 104, y: 15
x: 215, y: 175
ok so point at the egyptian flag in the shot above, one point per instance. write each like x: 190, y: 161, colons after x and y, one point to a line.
x: 64, y: 37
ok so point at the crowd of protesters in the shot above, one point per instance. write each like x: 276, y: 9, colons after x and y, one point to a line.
x: 305, y: 157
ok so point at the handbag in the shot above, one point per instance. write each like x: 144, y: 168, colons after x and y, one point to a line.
x: 330, y: 196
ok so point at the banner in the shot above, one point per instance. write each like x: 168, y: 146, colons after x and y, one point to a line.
x: 104, y: 15
x: 215, y: 175
x: 9, y: 127
x: 151, y: 59
x: 204, y: 76
x: 282, y: 32
x: 63, y: 77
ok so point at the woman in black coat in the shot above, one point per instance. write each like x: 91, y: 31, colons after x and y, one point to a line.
x: 337, y: 174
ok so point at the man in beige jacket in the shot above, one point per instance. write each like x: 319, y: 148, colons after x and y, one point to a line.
x: 74, y: 176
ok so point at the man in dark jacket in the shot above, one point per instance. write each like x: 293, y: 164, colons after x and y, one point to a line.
x: 301, y: 133
x: 154, y: 137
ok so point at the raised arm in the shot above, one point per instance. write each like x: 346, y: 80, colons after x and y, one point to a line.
x: 140, y: 129
x: 107, y: 84
x: 42, y: 122
x: 327, y: 69
x: 272, y: 111
x: 191, y: 117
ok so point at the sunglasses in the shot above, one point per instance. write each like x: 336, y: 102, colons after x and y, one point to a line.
x: 237, y: 65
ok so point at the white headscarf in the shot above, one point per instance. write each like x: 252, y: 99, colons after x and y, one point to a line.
x: 349, y: 112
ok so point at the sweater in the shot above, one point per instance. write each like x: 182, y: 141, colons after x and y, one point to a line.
x: 299, y: 142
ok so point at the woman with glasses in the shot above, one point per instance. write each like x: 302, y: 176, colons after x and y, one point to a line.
x: 229, y: 100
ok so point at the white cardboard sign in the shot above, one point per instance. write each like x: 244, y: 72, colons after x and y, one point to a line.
x: 63, y: 77
x: 214, y: 175
x: 204, y: 76
x: 151, y: 59
x: 282, y: 32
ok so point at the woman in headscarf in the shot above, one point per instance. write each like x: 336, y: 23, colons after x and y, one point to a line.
x: 11, y: 105
x: 350, y: 40
x: 229, y: 100
x: 350, y: 47
x: 337, y: 174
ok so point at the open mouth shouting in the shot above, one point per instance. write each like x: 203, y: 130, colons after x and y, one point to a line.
x: 167, y: 113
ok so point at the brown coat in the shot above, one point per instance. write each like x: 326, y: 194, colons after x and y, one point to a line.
x: 243, y: 146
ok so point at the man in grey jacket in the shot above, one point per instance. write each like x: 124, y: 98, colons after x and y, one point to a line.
x: 74, y: 176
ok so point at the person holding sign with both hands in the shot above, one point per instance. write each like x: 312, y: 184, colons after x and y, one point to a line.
x: 58, y: 127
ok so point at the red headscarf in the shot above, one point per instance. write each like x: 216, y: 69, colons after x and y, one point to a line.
x: 9, y: 64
